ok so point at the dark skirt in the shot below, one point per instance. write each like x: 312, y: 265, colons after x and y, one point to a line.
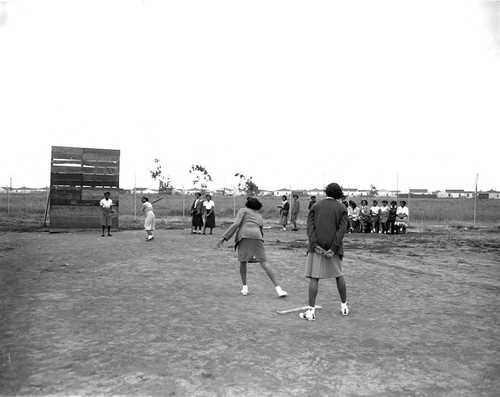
x: 210, y: 220
x: 251, y: 250
x: 198, y: 220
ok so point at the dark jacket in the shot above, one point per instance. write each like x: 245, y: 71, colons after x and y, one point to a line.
x: 326, y: 226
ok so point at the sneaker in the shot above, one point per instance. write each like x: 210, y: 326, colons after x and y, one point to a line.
x: 244, y: 291
x: 308, y: 315
x: 150, y: 238
x: 344, y: 309
x: 281, y: 293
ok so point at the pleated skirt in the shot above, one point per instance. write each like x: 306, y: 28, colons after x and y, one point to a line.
x: 319, y: 266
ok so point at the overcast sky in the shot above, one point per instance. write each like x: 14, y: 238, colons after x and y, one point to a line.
x: 293, y: 93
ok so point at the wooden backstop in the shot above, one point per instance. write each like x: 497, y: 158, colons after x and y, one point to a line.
x: 78, y: 179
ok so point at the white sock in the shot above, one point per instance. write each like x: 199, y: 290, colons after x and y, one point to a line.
x: 278, y: 289
x: 312, y: 309
x: 245, y: 287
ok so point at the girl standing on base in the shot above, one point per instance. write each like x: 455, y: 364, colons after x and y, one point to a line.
x: 149, y: 223
x: 326, y: 226
x: 106, y: 206
x: 249, y: 240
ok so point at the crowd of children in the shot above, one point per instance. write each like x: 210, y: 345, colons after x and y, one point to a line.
x: 384, y: 219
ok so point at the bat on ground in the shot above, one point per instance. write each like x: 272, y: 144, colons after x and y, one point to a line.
x: 297, y: 309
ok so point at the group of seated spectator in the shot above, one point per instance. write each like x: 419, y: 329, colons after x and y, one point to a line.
x: 382, y: 219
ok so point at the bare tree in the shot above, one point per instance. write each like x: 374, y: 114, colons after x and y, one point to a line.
x: 157, y: 175
x: 247, y: 184
x: 201, y: 177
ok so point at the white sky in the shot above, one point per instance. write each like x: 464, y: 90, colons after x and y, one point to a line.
x: 293, y: 93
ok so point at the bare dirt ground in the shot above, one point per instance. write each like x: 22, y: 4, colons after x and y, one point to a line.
x: 91, y: 316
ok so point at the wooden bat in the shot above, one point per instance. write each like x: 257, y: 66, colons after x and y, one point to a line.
x: 297, y: 309
x: 161, y: 198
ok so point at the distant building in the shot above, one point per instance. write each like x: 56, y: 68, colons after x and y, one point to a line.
x: 418, y: 191
x: 455, y: 193
x: 282, y: 192
x: 387, y: 193
x: 316, y: 192
x: 351, y: 192
x: 493, y: 194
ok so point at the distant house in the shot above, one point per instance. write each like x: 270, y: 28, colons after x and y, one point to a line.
x: 316, y: 192
x: 493, y: 194
x: 144, y: 190
x: 387, y: 193
x: 418, y: 192
x: 22, y: 190
x: 351, y: 192
x: 456, y: 193
x: 4, y: 189
x: 266, y: 192
x: 282, y: 192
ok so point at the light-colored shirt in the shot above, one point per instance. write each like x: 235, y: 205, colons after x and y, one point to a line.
x: 147, y: 206
x: 402, y: 210
x: 106, y: 203
x: 209, y: 204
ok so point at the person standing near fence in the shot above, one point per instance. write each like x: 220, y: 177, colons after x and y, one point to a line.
x: 208, y: 209
x: 197, y: 214
x: 311, y: 202
x: 249, y: 240
x: 295, y: 212
x: 284, y: 210
x: 149, y: 222
x: 106, y: 206
x: 326, y: 226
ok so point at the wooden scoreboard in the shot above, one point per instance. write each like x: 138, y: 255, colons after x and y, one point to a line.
x: 78, y: 179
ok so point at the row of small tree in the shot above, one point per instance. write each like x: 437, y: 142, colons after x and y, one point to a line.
x: 200, y: 178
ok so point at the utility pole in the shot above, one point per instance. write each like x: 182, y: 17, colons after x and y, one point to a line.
x: 135, y: 197
x: 8, y: 196
x: 475, y: 201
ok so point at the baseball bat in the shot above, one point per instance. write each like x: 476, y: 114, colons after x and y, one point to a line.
x: 161, y: 198
x: 297, y: 309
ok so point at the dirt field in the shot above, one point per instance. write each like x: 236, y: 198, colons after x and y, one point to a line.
x: 92, y: 316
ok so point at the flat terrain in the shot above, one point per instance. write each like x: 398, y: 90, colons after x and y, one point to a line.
x: 91, y: 316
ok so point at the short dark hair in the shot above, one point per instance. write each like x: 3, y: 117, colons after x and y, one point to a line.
x: 284, y: 196
x: 352, y: 204
x: 107, y: 193
x: 403, y: 202
x: 253, y: 203
x: 313, y: 197
x: 145, y: 198
x: 384, y: 201
x: 334, y: 190
x: 364, y: 201
x: 296, y: 195
x: 394, y: 202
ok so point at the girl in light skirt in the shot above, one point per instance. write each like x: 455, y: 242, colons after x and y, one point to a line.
x: 149, y: 222
x: 326, y: 226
